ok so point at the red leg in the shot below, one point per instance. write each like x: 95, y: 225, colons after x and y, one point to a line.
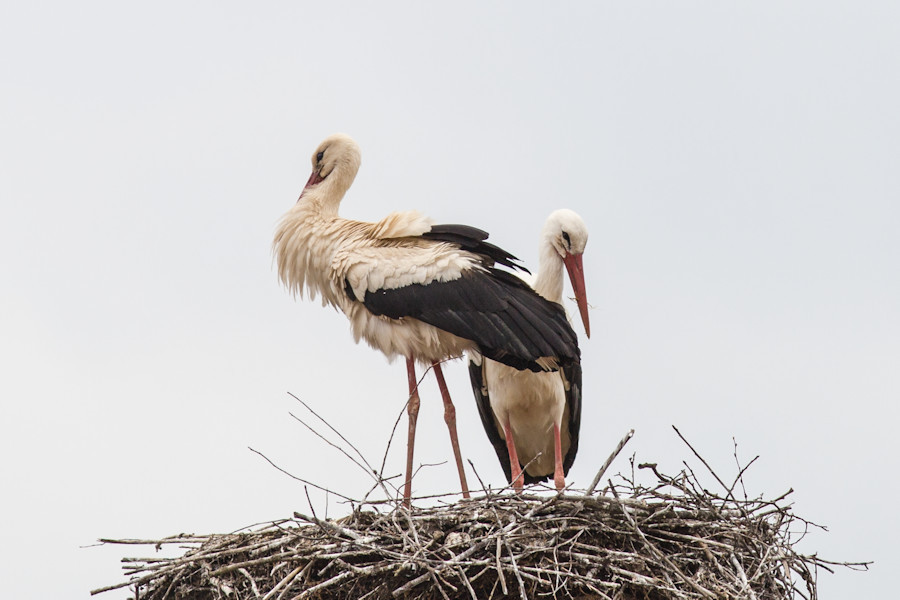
x: 412, y: 409
x: 558, y: 477
x: 450, y: 419
x: 518, y: 477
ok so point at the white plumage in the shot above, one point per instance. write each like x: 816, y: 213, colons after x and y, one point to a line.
x: 341, y: 250
x: 410, y: 288
x: 532, y: 419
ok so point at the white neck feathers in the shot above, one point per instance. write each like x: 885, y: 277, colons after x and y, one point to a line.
x: 549, y: 280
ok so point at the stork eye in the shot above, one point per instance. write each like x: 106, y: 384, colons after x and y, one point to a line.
x: 566, y: 237
x: 320, y: 156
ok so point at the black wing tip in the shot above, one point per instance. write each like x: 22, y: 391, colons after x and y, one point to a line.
x: 574, y: 398
x: 455, y: 229
x: 473, y: 239
x: 529, y: 479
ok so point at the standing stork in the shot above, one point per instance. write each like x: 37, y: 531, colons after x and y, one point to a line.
x: 413, y: 289
x: 532, y: 419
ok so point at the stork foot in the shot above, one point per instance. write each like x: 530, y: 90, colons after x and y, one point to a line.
x: 559, y: 481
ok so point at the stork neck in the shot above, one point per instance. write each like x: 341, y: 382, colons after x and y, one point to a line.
x: 323, y: 200
x: 549, y: 280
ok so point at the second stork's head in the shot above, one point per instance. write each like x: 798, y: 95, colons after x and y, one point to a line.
x: 566, y: 233
x: 334, y: 166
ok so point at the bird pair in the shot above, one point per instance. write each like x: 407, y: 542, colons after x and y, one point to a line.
x: 431, y: 292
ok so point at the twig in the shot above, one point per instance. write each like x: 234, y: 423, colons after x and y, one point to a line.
x: 300, y: 479
x: 696, y: 587
x: 608, y: 462
x: 706, y: 464
x: 284, y: 583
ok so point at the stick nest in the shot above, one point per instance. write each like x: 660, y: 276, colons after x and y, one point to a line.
x: 671, y: 539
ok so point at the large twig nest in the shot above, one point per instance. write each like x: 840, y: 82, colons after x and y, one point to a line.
x: 669, y: 540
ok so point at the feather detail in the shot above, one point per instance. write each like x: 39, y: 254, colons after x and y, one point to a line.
x: 410, y: 223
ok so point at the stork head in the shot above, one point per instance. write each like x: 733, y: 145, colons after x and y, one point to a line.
x: 567, y: 234
x: 334, y: 166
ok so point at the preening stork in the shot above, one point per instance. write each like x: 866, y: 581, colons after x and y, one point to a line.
x: 533, y: 419
x: 413, y: 289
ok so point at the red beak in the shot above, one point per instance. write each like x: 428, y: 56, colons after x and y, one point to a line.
x: 313, y: 180
x: 575, y: 267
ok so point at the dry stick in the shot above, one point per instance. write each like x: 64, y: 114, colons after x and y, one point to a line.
x: 465, y: 579
x: 370, y: 593
x: 501, y: 536
x: 437, y: 584
x: 158, y: 571
x: 488, y: 499
x: 284, y: 581
x: 500, y: 570
x: 474, y: 548
x: 740, y: 475
x: 300, y: 479
x: 246, y: 574
x: 376, y: 476
x: 340, y: 578
x: 165, y: 565
x: 487, y: 492
x: 135, y: 582
x: 856, y: 566
x: 745, y: 584
x: 526, y: 571
x: 706, y: 464
x: 256, y: 561
x: 329, y: 526
x: 415, y: 532
x: 608, y: 462
x: 697, y: 588
x: 367, y: 471
x: 171, y: 584
x: 175, y: 539
x: 450, y: 563
x: 368, y: 467
x: 311, y: 508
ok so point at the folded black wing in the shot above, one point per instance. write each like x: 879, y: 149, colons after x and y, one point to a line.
x: 508, y: 320
x: 483, y: 401
x: 472, y: 239
x: 572, y: 373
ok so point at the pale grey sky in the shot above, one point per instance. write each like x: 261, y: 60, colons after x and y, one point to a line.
x: 736, y: 165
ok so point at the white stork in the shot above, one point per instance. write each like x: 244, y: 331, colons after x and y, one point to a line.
x: 532, y: 419
x: 422, y: 291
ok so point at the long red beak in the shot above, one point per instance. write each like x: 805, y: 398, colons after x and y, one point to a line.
x: 575, y: 267
x: 313, y: 180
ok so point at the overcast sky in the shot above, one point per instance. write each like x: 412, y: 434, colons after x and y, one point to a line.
x: 736, y: 164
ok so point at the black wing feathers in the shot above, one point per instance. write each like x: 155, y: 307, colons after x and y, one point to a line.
x: 458, y: 234
x: 476, y: 376
x: 508, y: 320
x: 472, y: 239
x: 573, y: 400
